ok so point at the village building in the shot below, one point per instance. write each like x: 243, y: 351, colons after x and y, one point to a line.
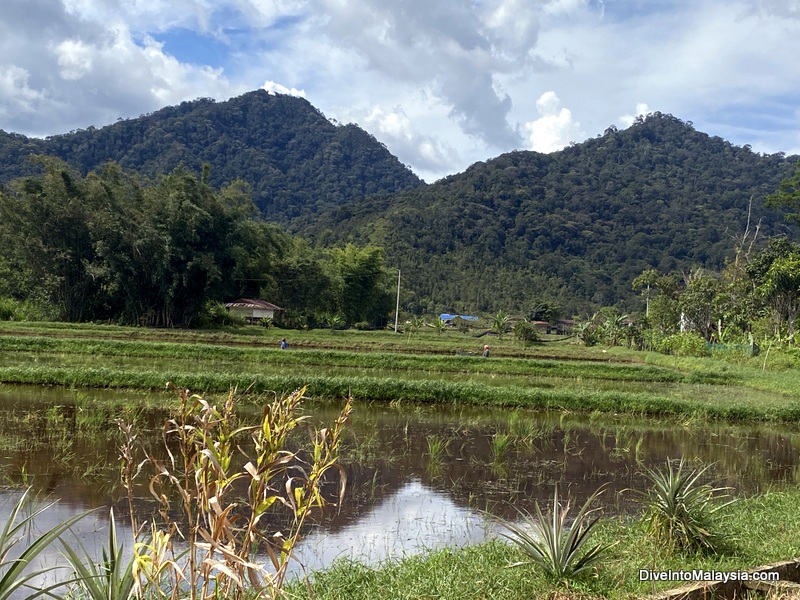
x: 253, y: 311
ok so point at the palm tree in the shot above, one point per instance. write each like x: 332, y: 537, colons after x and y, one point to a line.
x: 500, y: 323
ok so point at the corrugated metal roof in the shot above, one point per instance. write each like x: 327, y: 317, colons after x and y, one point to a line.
x: 250, y: 303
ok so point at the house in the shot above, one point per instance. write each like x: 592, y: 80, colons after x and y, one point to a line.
x: 252, y: 311
x: 451, y: 319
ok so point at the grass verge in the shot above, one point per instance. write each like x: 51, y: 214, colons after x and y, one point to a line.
x: 763, y: 529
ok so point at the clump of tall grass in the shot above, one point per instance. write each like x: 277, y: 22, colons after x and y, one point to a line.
x: 500, y: 446
x: 437, y: 448
x: 682, y: 509
x: 562, y: 549
x: 222, y: 507
x: 15, y: 574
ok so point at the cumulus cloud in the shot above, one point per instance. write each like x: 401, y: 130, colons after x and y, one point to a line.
x: 74, y: 58
x: 641, y: 110
x: 276, y: 88
x: 393, y: 127
x: 85, y: 71
x: 555, y: 128
x: 14, y: 89
x: 455, y: 49
x: 452, y: 80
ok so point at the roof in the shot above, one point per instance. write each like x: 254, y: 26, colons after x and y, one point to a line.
x: 250, y: 303
x: 446, y: 317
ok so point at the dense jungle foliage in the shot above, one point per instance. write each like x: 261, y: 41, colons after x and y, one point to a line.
x: 296, y: 161
x: 568, y: 231
x: 575, y: 226
x: 106, y: 247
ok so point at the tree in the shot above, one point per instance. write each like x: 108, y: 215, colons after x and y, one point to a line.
x: 699, y: 303
x: 50, y: 219
x: 781, y: 288
x: 361, y: 284
x: 788, y: 196
x: 500, y: 324
x: 663, y: 312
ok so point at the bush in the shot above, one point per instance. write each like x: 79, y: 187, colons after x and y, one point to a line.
x: 558, y: 545
x: 526, y: 332
x: 20, y: 310
x: 684, y: 344
x: 682, y: 510
x: 215, y: 314
x: 7, y: 309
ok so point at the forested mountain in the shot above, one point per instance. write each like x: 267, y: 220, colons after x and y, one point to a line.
x: 575, y: 226
x: 296, y: 161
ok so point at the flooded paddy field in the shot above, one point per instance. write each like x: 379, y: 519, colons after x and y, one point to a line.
x: 419, y: 477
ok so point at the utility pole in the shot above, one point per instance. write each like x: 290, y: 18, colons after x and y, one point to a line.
x: 397, y: 309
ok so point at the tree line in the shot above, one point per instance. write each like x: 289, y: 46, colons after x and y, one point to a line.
x: 109, y: 247
x: 755, y: 297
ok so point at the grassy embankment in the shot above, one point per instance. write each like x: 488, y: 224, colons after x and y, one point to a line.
x: 378, y: 366
x: 384, y: 367
x: 761, y: 530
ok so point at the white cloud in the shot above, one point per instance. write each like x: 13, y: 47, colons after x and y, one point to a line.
x: 555, y: 128
x: 641, y: 110
x: 14, y: 89
x: 443, y: 84
x: 392, y: 126
x: 74, y: 58
x: 277, y: 88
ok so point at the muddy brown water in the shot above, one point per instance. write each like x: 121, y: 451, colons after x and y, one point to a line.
x: 419, y: 477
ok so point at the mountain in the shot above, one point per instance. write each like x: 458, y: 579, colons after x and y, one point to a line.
x: 297, y: 162
x: 575, y: 226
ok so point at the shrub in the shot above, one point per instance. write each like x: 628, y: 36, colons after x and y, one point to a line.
x: 21, y: 310
x: 526, y: 332
x: 681, y: 509
x: 216, y: 314
x: 684, y: 344
x: 561, y: 550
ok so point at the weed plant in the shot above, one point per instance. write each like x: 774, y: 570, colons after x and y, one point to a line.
x: 500, y: 446
x: 559, y: 547
x: 224, y: 530
x: 15, y: 573
x: 682, y: 509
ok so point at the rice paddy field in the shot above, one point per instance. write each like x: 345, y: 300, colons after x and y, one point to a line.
x: 436, y: 426
x: 388, y: 367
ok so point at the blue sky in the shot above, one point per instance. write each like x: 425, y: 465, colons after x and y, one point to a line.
x: 443, y: 84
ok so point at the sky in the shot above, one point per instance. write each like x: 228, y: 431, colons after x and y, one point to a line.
x: 442, y: 83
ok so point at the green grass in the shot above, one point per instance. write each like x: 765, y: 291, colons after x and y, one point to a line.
x: 765, y: 529
x: 384, y: 367
x: 48, y: 346
x: 400, y: 389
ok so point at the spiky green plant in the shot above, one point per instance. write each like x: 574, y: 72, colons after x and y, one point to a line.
x: 15, y: 577
x: 437, y: 447
x: 113, y: 579
x: 682, y: 509
x: 561, y: 550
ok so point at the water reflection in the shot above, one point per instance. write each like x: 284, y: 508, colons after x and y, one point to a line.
x: 418, y: 477
x: 412, y: 519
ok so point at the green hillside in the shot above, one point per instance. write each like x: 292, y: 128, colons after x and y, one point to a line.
x: 577, y: 225
x: 573, y: 227
x: 296, y: 161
